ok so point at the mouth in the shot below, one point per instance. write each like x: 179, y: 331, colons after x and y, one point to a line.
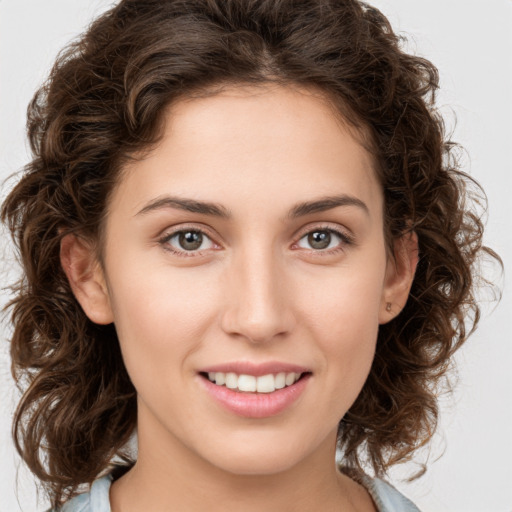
x: 246, y: 383
x: 255, y: 391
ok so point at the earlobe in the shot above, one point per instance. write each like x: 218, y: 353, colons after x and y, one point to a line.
x: 399, y: 276
x: 86, y: 278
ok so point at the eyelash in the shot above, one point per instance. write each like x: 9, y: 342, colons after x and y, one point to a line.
x: 345, y: 240
x: 164, y: 241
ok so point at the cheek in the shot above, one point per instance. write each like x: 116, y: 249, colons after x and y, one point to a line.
x: 346, y: 299
x: 346, y: 328
x: 160, y: 315
x: 343, y: 317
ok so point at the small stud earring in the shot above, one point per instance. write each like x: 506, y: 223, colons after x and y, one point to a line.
x: 388, y: 306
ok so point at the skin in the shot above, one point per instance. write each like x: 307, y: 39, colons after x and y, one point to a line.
x: 256, y: 290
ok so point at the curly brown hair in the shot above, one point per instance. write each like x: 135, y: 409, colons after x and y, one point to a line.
x: 104, y: 101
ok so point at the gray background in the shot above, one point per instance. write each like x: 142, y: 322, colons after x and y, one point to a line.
x: 471, y: 43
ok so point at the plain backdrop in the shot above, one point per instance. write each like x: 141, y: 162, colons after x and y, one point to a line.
x: 470, y: 41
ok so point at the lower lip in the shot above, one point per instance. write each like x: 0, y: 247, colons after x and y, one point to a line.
x: 256, y: 405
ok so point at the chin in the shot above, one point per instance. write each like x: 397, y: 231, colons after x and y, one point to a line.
x: 260, y: 457
x: 261, y: 464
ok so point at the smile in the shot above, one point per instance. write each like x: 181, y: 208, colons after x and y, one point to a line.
x: 255, y: 391
x: 254, y: 384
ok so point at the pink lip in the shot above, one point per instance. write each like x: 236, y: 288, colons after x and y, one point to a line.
x: 248, y: 368
x: 256, y: 405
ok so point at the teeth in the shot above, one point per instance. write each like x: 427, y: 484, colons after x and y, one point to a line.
x: 290, y: 379
x: 265, y: 384
x: 231, y: 380
x: 280, y: 380
x: 249, y: 383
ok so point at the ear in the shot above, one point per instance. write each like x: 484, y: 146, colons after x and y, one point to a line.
x: 85, y: 276
x: 399, y: 276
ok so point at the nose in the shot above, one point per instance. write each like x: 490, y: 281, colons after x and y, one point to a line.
x: 258, y: 299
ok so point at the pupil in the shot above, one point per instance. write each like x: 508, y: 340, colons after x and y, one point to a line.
x: 190, y: 240
x: 319, y: 239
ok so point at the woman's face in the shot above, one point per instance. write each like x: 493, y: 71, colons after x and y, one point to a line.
x: 248, y: 244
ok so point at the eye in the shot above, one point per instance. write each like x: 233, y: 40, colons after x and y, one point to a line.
x: 323, y: 239
x: 187, y: 241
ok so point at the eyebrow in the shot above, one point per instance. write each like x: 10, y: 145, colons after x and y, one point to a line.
x: 217, y: 210
x: 189, y: 205
x: 326, y: 203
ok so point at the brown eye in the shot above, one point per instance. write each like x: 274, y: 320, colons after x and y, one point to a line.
x: 188, y: 241
x: 322, y: 239
x: 319, y: 239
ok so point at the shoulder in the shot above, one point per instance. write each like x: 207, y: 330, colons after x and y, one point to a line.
x: 384, y: 495
x: 96, y: 500
x: 387, y: 498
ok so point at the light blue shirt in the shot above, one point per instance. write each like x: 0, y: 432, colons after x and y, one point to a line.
x: 385, y: 496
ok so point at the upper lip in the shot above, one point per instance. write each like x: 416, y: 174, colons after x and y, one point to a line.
x: 256, y: 369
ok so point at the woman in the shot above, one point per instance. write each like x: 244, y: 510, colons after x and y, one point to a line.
x: 241, y: 233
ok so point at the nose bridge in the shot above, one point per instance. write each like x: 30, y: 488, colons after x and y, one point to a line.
x: 259, y: 307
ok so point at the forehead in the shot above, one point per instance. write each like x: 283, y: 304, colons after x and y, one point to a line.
x: 284, y: 143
